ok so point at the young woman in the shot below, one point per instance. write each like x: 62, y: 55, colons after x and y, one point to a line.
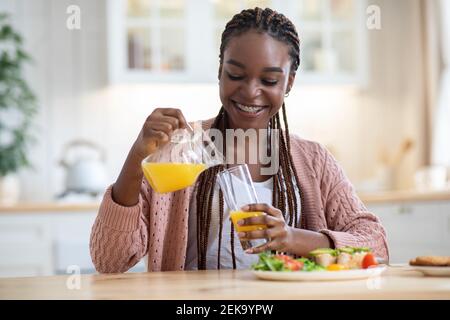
x: 313, y: 204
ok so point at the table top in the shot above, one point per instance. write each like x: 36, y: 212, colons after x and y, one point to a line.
x: 395, y: 283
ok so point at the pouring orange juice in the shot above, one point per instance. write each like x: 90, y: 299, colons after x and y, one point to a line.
x: 178, y: 164
x: 169, y: 177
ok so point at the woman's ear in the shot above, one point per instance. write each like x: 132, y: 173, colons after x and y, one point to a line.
x: 290, y: 82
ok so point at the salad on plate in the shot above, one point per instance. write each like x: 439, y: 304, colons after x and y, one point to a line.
x: 325, y: 264
x: 323, y: 259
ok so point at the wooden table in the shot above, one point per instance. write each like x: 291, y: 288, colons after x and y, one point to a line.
x: 225, y: 284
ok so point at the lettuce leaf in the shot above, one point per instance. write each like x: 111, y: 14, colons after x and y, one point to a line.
x: 268, y: 262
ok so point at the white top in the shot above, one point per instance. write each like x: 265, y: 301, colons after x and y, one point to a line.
x: 243, y: 260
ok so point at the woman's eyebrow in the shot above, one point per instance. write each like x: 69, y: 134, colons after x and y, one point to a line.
x: 235, y: 63
x: 267, y: 69
x: 273, y: 69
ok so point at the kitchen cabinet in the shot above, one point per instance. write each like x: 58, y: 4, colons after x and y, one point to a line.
x: 179, y: 40
x: 25, y: 247
x: 415, y: 228
x: 47, y: 242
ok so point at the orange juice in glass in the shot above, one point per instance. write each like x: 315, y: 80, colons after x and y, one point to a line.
x: 239, y: 215
x: 238, y: 190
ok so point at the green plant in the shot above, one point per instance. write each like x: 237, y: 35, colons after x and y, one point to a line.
x: 17, y: 101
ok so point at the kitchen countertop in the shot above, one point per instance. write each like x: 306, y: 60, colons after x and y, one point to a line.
x: 367, y: 198
x: 405, y: 196
x: 396, y: 283
x: 50, y: 207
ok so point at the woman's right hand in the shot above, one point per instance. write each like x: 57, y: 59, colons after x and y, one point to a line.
x: 157, y: 129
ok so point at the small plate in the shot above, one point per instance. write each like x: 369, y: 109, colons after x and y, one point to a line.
x: 433, y: 271
x: 321, y: 275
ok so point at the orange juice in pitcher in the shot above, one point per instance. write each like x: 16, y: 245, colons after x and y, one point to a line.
x: 178, y: 164
x: 169, y: 177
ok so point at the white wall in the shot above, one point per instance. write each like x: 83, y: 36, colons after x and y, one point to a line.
x: 70, y: 79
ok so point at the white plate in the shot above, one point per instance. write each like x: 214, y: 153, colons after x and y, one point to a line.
x: 321, y: 275
x: 433, y: 271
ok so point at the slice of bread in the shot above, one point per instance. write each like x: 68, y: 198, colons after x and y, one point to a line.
x: 432, y: 261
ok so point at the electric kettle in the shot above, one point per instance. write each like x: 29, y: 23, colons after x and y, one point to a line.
x: 84, y: 162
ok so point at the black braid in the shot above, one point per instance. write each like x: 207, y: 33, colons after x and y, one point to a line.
x: 281, y: 28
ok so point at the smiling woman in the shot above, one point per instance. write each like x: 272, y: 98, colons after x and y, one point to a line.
x: 308, y: 202
x: 253, y: 84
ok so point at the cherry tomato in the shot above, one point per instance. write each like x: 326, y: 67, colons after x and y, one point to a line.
x: 294, y: 265
x: 368, y: 261
x: 289, y: 262
x: 336, y: 267
x: 283, y: 257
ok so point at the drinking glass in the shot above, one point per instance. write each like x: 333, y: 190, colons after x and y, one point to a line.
x: 238, y: 190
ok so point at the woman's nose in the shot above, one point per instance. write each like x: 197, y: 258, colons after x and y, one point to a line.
x: 251, y: 89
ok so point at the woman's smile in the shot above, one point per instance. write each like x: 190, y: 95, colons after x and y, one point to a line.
x: 249, y: 110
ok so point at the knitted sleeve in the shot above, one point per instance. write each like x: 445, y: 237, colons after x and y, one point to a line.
x: 349, y: 223
x: 119, y: 236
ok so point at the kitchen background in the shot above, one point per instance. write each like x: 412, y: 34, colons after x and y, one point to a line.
x: 373, y: 87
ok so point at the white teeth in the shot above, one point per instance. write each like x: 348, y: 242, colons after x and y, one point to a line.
x: 248, y: 108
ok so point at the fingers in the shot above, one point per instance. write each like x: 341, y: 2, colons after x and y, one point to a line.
x: 162, y: 122
x: 263, y: 219
x: 276, y: 244
x: 280, y: 232
x: 272, y: 217
x: 157, y: 128
x: 264, y: 207
x: 173, y: 122
x: 176, y: 114
x: 276, y: 231
x: 170, y: 123
x: 269, y: 233
x: 168, y: 116
x: 271, y: 245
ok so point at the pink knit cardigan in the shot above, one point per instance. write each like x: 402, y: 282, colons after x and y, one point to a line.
x: 158, y: 224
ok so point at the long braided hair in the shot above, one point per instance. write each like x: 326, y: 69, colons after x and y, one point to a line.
x: 283, y: 197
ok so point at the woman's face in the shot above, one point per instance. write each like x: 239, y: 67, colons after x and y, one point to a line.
x: 254, y: 79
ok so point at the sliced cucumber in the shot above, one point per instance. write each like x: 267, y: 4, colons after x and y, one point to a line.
x: 348, y: 250
x: 323, y: 251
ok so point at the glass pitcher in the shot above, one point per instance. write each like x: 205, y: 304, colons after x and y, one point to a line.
x: 178, y: 163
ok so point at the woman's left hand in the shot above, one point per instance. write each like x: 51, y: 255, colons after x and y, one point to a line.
x: 278, y: 233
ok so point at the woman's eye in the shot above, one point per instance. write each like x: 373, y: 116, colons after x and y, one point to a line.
x: 269, y: 82
x: 234, y: 77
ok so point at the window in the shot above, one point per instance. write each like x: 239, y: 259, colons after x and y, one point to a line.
x: 179, y: 40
